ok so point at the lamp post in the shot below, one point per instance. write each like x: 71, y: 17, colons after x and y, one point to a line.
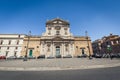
x: 88, y: 43
x: 25, y: 58
x: 109, y: 50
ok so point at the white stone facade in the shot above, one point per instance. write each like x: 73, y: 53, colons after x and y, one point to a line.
x: 57, y: 40
x: 11, y: 44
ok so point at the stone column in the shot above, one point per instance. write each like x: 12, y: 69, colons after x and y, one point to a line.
x: 41, y: 48
x: 62, y: 50
x: 53, y: 50
x: 73, y: 49
x: 45, y: 50
x: 69, y: 53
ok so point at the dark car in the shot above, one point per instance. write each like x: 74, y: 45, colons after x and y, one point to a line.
x: 82, y: 56
x: 115, y: 55
x: 41, y: 56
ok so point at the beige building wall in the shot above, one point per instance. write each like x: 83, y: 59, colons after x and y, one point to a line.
x: 34, y: 45
x: 82, y: 43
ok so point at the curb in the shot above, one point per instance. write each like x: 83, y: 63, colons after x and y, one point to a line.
x: 56, y: 68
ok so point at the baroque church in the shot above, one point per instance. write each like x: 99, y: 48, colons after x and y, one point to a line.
x: 57, y: 41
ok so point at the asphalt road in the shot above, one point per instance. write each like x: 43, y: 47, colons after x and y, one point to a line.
x: 88, y: 74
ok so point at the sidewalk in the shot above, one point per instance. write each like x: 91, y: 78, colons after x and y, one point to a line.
x: 57, y: 64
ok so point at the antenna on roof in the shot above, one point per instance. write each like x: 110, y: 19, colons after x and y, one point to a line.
x: 86, y: 33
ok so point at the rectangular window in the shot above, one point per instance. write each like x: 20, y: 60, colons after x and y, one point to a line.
x: 18, y: 36
x: 1, y: 42
x: 16, y: 47
x: 15, y: 53
x: 114, y: 42
x: 6, y: 53
x: 17, y: 41
x: 7, y: 48
x: 9, y: 42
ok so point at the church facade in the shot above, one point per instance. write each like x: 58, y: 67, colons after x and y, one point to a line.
x: 57, y: 41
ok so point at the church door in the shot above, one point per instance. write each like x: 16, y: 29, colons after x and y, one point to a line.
x: 30, y: 52
x: 57, y: 50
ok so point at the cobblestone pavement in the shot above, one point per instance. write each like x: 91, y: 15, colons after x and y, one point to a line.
x: 68, y: 62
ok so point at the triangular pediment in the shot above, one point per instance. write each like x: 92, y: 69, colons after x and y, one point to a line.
x: 57, y: 21
x: 57, y: 39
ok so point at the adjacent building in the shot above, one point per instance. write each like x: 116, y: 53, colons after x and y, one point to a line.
x: 108, y: 44
x: 11, y: 44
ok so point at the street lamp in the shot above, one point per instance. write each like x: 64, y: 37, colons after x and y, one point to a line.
x: 109, y: 50
x: 88, y: 43
x: 25, y: 58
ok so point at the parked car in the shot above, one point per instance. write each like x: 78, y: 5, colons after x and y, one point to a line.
x: 82, y: 56
x: 118, y: 54
x: 50, y: 57
x: 41, y: 56
x: 21, y: 57
x: 105, y: 55
x: 31, y: 57
x: 2, y: 57
x: 11, y: 57
x: 93, y: 55
x: 98, y: 55
x: 58, y: 56
x: 115, y: 55
x: 67, y: 56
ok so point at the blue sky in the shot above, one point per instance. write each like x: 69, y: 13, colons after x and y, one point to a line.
x: 98, y: 17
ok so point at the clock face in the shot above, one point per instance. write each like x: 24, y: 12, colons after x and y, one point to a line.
x: 57, y: 27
